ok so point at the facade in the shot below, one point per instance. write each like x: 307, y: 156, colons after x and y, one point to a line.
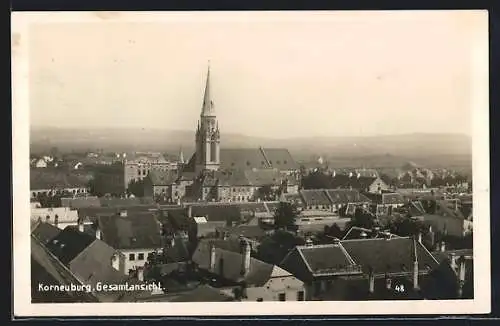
x: 138, y: 167
x: 60, y: 217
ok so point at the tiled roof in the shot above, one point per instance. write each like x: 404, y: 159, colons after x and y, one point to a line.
x: 49, y: 179
x: 135, y: 231
x: 346, y: 196
x: 258, y: 274
x: 242, y: 158
x: 94, y: 265
x: 313, y: 197
x: 232, y: 178
x: 392, y: 198
x: 68, y: 244
x: 306, y: 262
x: 393, y: 255
x: 346, y: 182
x: 45, y: 232
x: 315, y: 256
x: 280, y: 158
x: 162, y: 178
x: 262, y: 177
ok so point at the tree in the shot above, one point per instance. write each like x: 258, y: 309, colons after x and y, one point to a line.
x: 362, y: 219
x: 136, y: 188
x: 284, y: 216
x: 265, y: 192
x: 406, y: 227
x: 317, y: 180
x: 333, y: 231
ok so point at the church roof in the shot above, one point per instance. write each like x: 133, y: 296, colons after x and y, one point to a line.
x: 208, y: 104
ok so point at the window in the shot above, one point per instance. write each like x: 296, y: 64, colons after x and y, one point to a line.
x: 300, y: 296
x: 140, y: 256
x: 282, y: 297
x: 259, y: 300
x: 131, y: 257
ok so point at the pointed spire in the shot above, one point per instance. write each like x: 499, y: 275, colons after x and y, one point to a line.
x: 208, y: 105
x: 181, y: 156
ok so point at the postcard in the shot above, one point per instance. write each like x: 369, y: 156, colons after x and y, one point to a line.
x: 250, y: 163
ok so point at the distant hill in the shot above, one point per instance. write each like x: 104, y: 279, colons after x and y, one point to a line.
x: 407, y: 147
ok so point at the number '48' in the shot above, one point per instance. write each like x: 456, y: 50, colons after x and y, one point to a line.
x: 399, y: 288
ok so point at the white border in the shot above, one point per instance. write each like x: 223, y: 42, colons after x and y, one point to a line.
x: 21, y: 240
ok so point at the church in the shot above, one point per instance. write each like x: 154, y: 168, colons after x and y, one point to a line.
x: 232, y: 174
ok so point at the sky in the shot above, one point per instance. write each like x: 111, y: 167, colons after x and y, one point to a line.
x: 274, y: 75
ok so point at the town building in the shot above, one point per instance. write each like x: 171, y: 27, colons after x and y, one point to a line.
x: 134, y: 235
x: 60, y: 217
x: 246, y: 278
x: 138, y: 166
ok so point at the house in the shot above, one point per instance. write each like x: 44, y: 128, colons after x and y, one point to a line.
x: 51, y: 182
x: 138, y: 165
x: 60, y: 217
x: 309, y: 264
x: 244, y: 185
x: 377, y: 264
x: 91, y: 262
x: 41, y: 163
x: 384, y: 203
x: 134, y: 235
x: 339, y: 201
x: 359, y: 182
x: 245, y: 277
x: 393, y: 261
x: 447, y: 220
x: 159, y: 185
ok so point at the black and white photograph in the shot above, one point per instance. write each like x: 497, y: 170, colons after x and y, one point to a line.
x: 244, y: 163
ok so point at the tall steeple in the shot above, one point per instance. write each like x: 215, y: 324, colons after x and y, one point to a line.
x: 207, y: 134
x: 208, y: 105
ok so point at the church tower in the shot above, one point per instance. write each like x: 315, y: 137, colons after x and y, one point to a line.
x: 207, y: 134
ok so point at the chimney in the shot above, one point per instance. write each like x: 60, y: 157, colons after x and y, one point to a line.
x: 212, y: 258
x: 388, y: 284
x: 371, y: 280
x: 461, y: 277
x: 190, y: 211
x: 419, y: 237
x: 56, y: 220
x: 80, y: 225
x: 115, y: 261
x: 172, y: 242
x: 415, y: 266
x: 442, y: 248
x: 432, y: 236
x: 245, y: 267
x: 140, y: 274
x: 453, y: 262
x: 98, y: 233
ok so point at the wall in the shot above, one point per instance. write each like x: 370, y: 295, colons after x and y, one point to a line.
x: 128, y: 264
x: 377, y: 186
x: 271, y: 290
